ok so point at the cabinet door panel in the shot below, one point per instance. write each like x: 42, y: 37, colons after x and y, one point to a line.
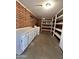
x: 24, y: 41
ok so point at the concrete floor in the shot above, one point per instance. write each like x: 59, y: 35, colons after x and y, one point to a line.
x: 43, y: 46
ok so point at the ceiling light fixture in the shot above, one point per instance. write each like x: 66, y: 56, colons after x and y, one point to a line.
x: 48, y: 4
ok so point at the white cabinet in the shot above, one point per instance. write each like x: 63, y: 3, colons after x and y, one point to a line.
x: 24, y: 37
x: 17, y: 43
x: 38, y: 30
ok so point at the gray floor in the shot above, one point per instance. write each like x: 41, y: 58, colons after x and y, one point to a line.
x: 43, y: 46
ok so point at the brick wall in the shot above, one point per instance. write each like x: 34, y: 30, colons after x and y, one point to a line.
x: 23, y: 17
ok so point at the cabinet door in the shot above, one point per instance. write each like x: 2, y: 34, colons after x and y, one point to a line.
x: 38, y: 30
x: 18, y: 44
x: 30, y: 36
x: 24, y: 41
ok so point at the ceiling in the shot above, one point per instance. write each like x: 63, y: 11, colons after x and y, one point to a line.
x: 39, y: 11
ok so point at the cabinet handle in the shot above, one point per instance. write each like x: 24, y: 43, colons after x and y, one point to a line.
x: 21, y: 41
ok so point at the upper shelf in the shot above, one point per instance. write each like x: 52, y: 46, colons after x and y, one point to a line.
x: 59, y: 23
x: 60, y: 30
x: 60, y: 16
x: 60, y: 11
x: 46, y: 26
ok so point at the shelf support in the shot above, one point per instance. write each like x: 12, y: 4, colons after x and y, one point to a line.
x: 51, y: 24
x: 54, y: 25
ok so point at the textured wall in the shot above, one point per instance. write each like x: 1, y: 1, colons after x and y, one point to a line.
x: 23, y: 17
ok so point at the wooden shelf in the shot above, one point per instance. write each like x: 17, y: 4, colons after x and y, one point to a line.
x: 60, y: 11
x: 60, y: 30
x: 46, y: 20
x: 59, y: 23
x: 46, y: 29
x: 59, y: 36
x: 46, y: 26
x: 60, y: 16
